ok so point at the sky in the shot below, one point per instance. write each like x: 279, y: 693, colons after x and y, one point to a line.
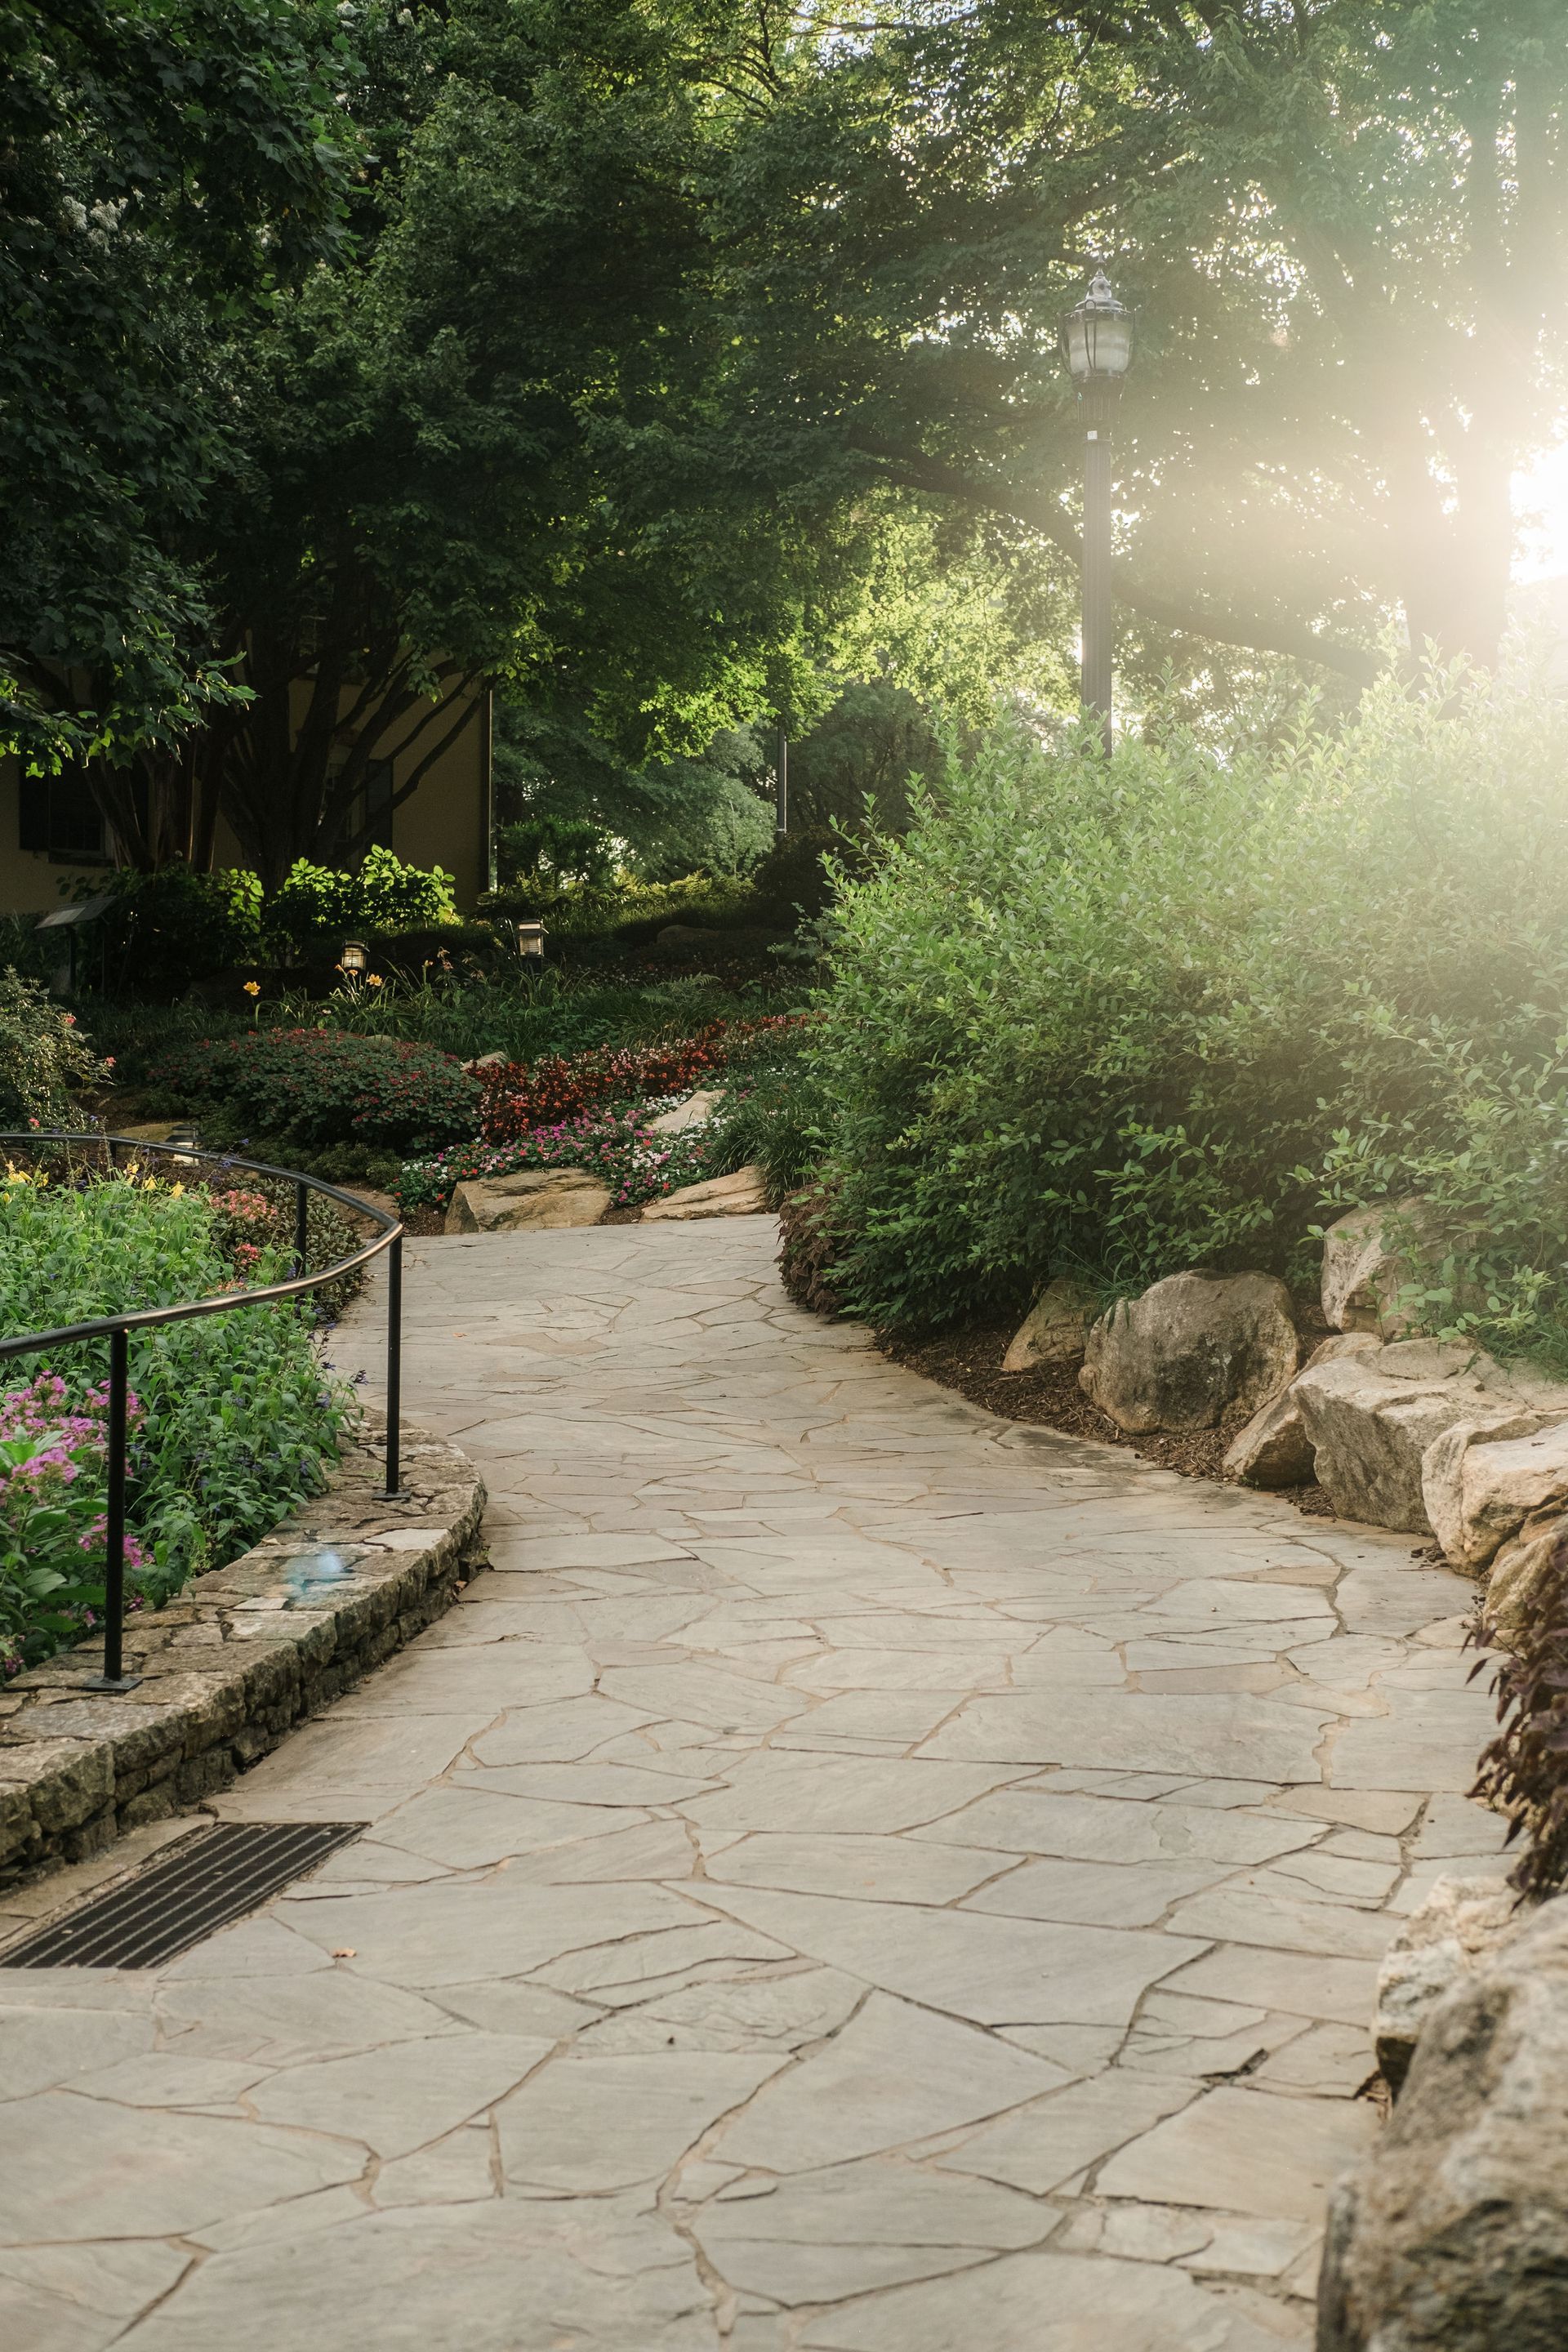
x: 1543, y: 535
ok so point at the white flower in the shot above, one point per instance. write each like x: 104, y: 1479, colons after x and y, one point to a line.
x: 75, y: 215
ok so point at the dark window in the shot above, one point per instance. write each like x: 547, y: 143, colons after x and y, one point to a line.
x: 61, y: 819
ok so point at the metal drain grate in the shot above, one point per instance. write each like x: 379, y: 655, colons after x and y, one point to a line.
x: 209, y: 1880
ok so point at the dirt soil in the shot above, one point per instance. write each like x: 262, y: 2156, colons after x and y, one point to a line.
x: 969, y: 1361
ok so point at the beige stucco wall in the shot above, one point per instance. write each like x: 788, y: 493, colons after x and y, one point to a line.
x: 445, y: 823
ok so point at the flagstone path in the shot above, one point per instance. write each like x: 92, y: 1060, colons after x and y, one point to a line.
x: 857, y: 1876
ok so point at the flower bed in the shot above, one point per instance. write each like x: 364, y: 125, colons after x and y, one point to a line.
x: 521, y: 1098
x: 234, y: 1422
x: 619, y: 1149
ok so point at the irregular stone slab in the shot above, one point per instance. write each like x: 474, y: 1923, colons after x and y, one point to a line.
x: 39, y: 2050
x: 1097, y: 1894
x: 456, y: 1931
x: 1457, y: 1930
x: 1207, y: 1735
x: 286, y: 2020
x: 1454, y: 2237
x: 885, y: 1870
x: 1054, y: 1329
x: 590, y: 2124
x: 875, y: 1794
x: 1117, y: 1830
x: 1041, y: 2146
x: 858, y: 2096
x: 398, y: 2098
x: 1363, y: 1272
x: 1274, y: 1449
x: 205, y: 2168
x: 1044, y: 2302
x: 995, y: 1971
x: 542, y: 1199
x: 1196, y: 1345
x: 1523, y: 1571
x: 776, y: 2012
x: 1479, y: 1485
x: 824, y: 2235
x: 743, y: 1194
x: 1428, y: 1739
x: 1246, y: 2151
x: 511, y: 2269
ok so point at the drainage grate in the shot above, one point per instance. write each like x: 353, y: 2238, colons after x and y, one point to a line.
x: 209, y: 1880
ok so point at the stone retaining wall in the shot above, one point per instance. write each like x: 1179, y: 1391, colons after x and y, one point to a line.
x: 236, y: 1658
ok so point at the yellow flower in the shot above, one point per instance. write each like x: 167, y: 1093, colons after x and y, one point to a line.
x: 373, y: 979
x: 253, y: 988
x: 175, y: 1191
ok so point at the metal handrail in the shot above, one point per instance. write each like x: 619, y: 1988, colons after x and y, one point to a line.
x: 117, y: 1328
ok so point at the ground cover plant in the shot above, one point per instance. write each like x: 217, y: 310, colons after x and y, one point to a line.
x: 1181, y: 1007
x: 520, y: 1098
x: 618, y: 1146
x: 235, y: 1420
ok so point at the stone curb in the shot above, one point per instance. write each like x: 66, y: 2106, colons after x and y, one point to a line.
x: 237, y: 1658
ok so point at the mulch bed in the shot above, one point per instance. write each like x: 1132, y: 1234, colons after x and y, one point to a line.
x: 970, y: 1361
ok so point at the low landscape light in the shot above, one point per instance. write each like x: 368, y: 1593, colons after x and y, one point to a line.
x: 355, y: 956
x: 531, y: 940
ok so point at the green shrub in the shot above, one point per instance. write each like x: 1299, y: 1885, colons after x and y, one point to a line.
x: 43, y: 1057
x: 321, y: 1087
x: 1175, y: 1008
x: 166, y: 930
x: 322, y: 902
x: 236, y: 1420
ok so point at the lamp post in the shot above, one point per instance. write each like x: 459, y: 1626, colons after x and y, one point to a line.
x: 1096, y: 341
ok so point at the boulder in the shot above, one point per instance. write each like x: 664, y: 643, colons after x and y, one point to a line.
x: 1371, y: 1417
x: 495, y: 1060
x: 743, y: 1194
x: 1196, y: 1345
x: 1274, y: 1449
x: 536, y: 1198
x: 1363, y: 1272
x: 1522, y: 1568
x: 1452, y: 2235
x: 1459, y: 1928
x: 1055, y: 1328
x: 1480, y: 1481
x: 690, y: 1113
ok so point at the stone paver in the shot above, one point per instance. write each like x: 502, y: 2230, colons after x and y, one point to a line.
x: 856, y: 1876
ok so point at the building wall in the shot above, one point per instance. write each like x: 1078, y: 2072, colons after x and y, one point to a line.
x: 447, y: 822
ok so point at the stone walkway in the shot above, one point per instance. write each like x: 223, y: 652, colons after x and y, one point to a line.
x: 858, y: 1876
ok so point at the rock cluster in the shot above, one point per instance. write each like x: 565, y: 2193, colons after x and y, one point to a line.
x: 1453, y: 2235
x: 1433, y: 1437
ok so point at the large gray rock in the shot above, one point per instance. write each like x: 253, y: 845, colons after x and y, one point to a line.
x: 1274, y: 1449
x: 1054, y: 1329
x: 1371, y: 1254
x: 1452, y: 2236
x: 1196, y: 1345
x: 1523, y: 1570
x: 1370, y: 1418
x: 543, y: 1199
x: 1482, y: 1479
x: 1456, y: 1931
x: 693, y: 1112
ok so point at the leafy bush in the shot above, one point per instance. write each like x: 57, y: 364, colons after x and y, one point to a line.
x: 1175, y: 1008
x: 519, y: 1097
x: 43, y: 1056
x: 53, y: 1494
x: 1522, y: 1770
x: 317, y: 1087
x: 237, y: 1421
x: 167, y: 929
x: 381, y: 894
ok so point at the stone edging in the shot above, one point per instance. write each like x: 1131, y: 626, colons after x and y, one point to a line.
x: 238, y: 1657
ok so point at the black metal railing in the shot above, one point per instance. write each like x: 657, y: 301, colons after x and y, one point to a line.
x: 117, y: 1328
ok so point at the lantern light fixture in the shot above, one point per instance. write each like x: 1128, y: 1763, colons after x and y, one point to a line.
x: 355, y: 956
x: 1096, y: 336
x: 531, y: 940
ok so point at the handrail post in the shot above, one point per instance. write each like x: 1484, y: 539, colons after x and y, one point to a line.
x: 114, y: 1677
x: 394, y: 1491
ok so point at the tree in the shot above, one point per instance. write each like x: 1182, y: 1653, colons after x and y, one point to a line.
x: 166, y: 167
x: 1343, y: 224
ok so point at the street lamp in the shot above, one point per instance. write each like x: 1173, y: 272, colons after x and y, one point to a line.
x: 1096, y: 341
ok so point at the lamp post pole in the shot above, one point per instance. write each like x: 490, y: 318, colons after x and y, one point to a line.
x: 1096, y: 341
